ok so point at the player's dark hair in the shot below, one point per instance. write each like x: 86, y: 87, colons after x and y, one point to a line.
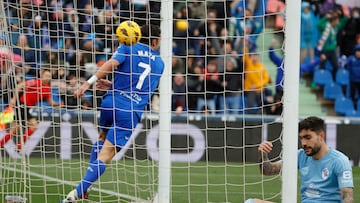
x: 312, y: 123
x: 149, y: 32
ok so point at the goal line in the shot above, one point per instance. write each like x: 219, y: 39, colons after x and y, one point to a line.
x: 74, y: 183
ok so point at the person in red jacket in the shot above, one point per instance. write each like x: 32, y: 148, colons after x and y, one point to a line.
x: 27, y: 94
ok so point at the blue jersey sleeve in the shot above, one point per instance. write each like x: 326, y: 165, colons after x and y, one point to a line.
x: 121, y: 53
x: 298, y: 154
x: 274, y: 58
x: 344, y: 172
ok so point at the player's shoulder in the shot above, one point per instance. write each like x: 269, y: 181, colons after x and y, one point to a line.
x: 301, y: 152
x: 337, y: 155
x: 160, y: 60
x: 303, y: 158
x: 122, y: 49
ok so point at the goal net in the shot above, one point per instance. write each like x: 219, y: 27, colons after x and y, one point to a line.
x: 226, y: 98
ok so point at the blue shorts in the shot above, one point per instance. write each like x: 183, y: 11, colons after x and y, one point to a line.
x: 118, y: 124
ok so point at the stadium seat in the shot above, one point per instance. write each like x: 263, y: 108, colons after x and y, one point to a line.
x: 309, y: 59
x: 343, y: 79
x: 352, y: 113
x: 332, y: 91
x: 358, y: 104
x: 322, y: 77
x: 328, y: 66
x: 342, y: 76
x: 343, y: 105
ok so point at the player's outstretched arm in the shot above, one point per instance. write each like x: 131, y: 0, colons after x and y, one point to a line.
x: 18, y: 88
x: 105, y: 69
x: 103, y: 84
x: 347, y: 195
x: 53, y: 103
x: 266, y: 166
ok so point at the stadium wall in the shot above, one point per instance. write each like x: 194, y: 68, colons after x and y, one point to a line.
x: 194, y: 140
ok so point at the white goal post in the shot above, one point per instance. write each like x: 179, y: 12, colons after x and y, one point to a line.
x: 291, y: 101
x: 164, y: 174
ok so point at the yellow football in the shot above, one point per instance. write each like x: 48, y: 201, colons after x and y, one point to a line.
x: 128, y: 33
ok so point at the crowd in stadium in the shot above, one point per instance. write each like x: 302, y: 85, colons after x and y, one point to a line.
x: 216, y: 66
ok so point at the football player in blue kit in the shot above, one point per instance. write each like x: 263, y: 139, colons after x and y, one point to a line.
x: 326, y: 173
x: 136, y: 71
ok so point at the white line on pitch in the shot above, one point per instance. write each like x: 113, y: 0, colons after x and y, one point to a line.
x: 136, y: 199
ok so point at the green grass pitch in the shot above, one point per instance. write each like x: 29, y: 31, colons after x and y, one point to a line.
x: 49, y: 180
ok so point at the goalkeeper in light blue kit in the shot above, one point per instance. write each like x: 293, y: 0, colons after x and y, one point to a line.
x: 326, y: 174
x: 136, y: 71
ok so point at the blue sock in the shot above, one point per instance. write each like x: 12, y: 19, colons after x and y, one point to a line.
x: 96, y: 148
x: 94, y: 171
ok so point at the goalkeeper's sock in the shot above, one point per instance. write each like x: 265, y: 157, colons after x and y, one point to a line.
x: 28, y: 133
x: 5, y: 139
x: 95, y: 150
x: 94, y: 171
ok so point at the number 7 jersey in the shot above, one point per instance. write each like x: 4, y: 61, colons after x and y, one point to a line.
x: 137, y: 76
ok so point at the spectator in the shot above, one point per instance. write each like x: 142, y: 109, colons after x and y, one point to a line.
x: 256, y: 80
x: 73, y: 19
x: 247, y: 14
x: 348, y: 34
x: 14, y: 32
x: 353, y: 65
x: 8, y: 80
x: 23, y: 49
x: 197, y: 9
x: 107, y: 24
x: 210, y: 89
x: 327, y: 44
x: 36, y: 35
x: 232, y: 87
x: 87, y: 19
x: 178, y: 65
x: 197, y: 16
x: 276, y: 10
x: 179, y: 94
x: 328, y: 5
x: 223, y: 50
x: 28, y: 94
x: 116, y: 7
x: 202, y: 28
x: 52, y: 57
x: 4, y: 49
x: 68, y: 90
x: 275, y: 107
x: 181, y: 26
x: 195, y: 79
x: 140, y: 10
x: 77, y: 64
x: 93, y: 43
x: 70, y: 49
x: 307, y: 67
x: 23, y: 13
x: 59, y: 27
x: 309, y: 33
x: 279, y: 68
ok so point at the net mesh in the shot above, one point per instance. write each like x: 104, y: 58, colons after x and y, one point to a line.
x: 226, y: 99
